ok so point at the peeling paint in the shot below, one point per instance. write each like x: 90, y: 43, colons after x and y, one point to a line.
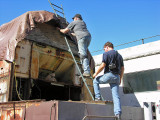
x: 16, y: 110
x: 4, y: 80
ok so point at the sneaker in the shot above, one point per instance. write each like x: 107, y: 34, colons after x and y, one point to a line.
x: 118, y: 116
x: 97, y: 99
x: 86, y: 74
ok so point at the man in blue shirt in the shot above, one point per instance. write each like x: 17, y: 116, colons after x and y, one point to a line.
x: 83, y: 37
x: 112, y: 63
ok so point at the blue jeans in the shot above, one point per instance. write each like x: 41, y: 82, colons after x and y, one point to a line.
x: 113, y: 80
x: 83, y: 44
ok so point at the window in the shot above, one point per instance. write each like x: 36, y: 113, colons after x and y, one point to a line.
x: 141, y: 81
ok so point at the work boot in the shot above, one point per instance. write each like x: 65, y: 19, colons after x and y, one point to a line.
x: 86, y: 74
x: 118, y: 116
x: 97, y: 99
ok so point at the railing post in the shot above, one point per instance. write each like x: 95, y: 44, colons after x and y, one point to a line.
x: 142, y: 41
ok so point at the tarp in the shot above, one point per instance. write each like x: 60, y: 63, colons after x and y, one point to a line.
x: 16, y: 30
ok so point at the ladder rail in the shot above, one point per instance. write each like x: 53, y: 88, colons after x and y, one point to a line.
x: 63, y: 13
x: 53, y: 8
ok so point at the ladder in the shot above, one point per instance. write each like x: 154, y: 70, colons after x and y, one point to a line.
x: 69, y: 48
x: 55, y: 10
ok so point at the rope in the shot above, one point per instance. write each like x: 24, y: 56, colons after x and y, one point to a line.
x: 16, y: 81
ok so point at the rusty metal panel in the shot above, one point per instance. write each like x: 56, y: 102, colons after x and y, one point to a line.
x: 44, y: 60
x: 34, y: 63
x: 48, y: 56
x: 43, y: 57
x: 5, y: 74
x: 47, y: 60
x: 43, y: 111
x: 22, y: 59
x: 11, y: 113
x: 52, y: 110
x: 16, y: 110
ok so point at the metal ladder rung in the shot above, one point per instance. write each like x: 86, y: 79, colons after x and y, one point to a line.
x: 59, y: 11
x: 52, y: 5
x: 57, y: 6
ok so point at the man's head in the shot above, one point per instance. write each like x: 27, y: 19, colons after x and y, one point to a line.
x: 77, y: 16
x: 108, y: 46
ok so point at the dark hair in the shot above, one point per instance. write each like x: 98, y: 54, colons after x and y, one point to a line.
x: 78, y: 16
x: 109, y: 44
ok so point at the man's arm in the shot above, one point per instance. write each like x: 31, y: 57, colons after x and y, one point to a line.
x: 66, y: 30
x: 101, y: 67
x: 121, y: 75
x: 73, y: 34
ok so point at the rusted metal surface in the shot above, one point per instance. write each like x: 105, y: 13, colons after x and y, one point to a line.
x: 64, y: 110
x: 16, y: 110
x: 44, y: 111
x: 47, y: 60
x: 5, y: 74
x: 34, y: 64
x: 51, y: 110
x: 22, y: 59
x: 12, y: 113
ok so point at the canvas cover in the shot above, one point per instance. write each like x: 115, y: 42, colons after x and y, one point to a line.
x: 16, y: 30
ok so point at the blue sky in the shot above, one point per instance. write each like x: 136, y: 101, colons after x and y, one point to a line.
x: 118, y: 21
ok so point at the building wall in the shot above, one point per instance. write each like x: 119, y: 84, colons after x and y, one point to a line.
x: 136, y: 59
